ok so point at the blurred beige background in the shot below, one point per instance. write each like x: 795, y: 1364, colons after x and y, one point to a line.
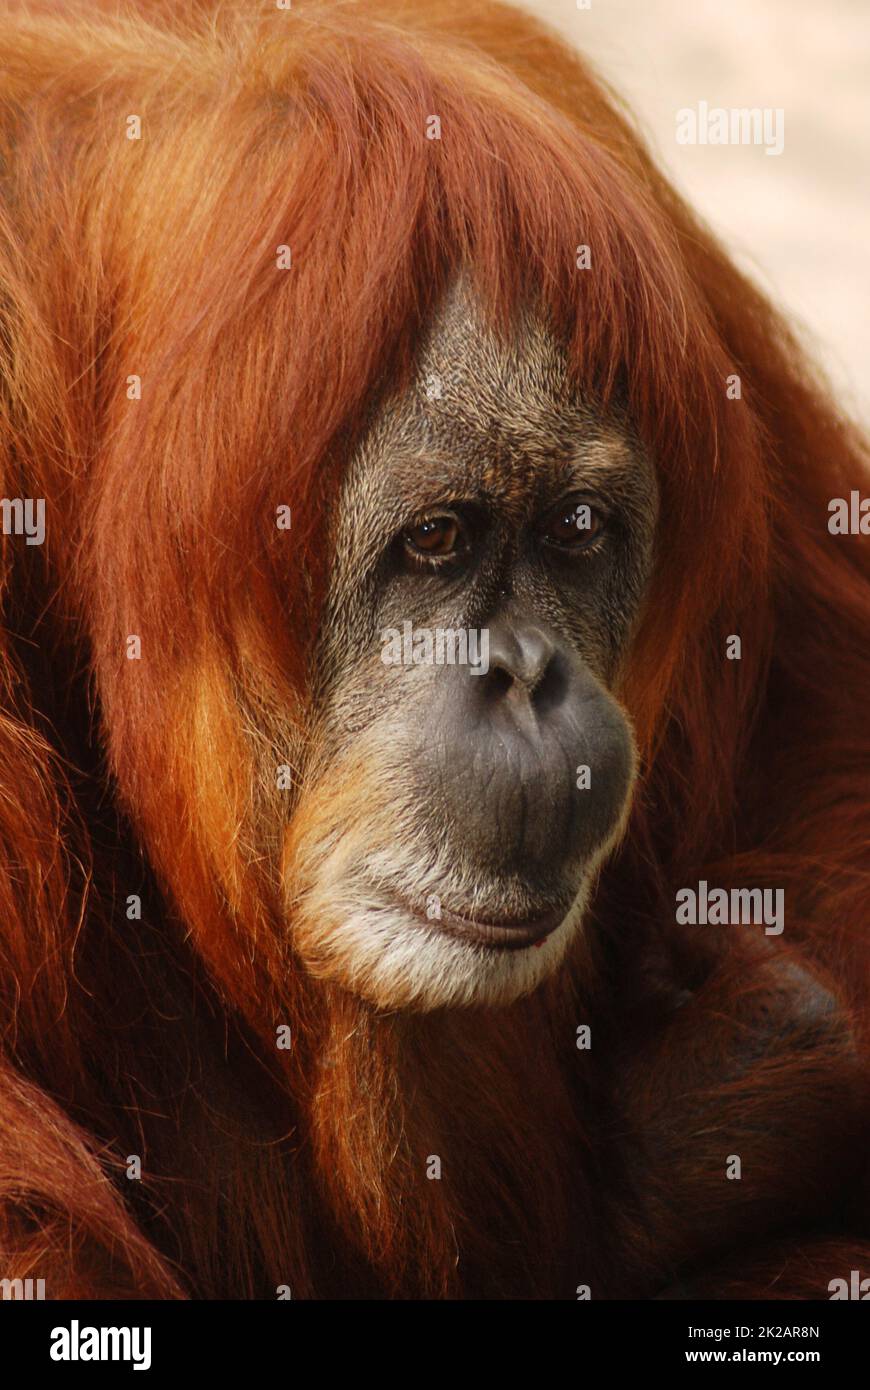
x: 799, y: 221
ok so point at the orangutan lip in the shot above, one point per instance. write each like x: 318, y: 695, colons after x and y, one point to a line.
x: 504, y: 934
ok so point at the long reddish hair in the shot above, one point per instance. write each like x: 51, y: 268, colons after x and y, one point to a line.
x: 157, y: 258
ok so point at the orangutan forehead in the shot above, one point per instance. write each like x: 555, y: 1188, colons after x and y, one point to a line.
x: 492, y: 416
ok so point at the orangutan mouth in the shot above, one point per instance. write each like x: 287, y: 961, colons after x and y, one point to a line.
x: 507, y: 934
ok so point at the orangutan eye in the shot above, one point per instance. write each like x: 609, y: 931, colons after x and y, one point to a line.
x: 573, y: 525
x: 436, y: 537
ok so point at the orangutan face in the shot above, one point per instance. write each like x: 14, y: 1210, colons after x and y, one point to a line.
x: 493, y: 544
